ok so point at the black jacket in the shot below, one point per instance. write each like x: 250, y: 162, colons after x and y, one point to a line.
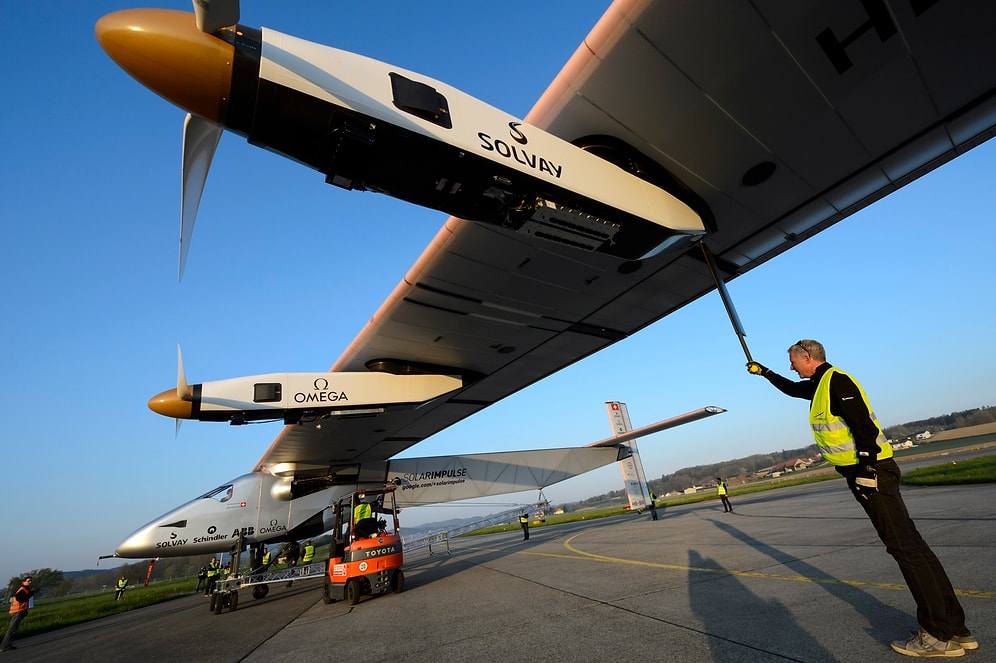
x: 845, y: 402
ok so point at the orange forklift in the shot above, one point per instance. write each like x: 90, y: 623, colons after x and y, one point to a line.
x: 366, y: 555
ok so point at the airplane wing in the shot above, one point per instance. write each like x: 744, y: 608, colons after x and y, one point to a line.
x: 781, y: 117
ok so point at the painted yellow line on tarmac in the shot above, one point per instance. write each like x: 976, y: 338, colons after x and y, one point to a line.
x: 580, y: 554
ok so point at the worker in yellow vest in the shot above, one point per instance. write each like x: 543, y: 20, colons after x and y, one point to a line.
x: 723, y: 492
x: 524, y: 523
x: 120, y: 587
x: 850, y: 438
x: 214, y: 568
x: 309, y: 553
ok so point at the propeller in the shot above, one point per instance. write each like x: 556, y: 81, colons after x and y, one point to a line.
x: 182, y: 389
x: 200, y: 136
x: 200, y: 140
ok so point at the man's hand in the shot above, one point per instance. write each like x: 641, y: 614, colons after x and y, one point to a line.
x: 755, y: 368
x: 866, y: 482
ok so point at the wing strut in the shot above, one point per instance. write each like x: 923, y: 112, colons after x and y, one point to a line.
x: 727, y: 302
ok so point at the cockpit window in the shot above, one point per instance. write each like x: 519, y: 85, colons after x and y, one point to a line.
x: 222, y: 494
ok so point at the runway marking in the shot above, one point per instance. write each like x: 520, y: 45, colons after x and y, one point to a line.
x: 581, y: 554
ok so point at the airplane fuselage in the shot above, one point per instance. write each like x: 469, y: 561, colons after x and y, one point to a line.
x: 259, y: 506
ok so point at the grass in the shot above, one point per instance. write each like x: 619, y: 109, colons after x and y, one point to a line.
x: 51, y: 614
x: 976, y: 470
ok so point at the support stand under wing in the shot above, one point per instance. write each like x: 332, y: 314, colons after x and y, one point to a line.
x: 738, y: 326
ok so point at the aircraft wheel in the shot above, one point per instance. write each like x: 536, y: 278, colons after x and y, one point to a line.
x: 219, y: 604
x: 353, y: 591
x: 234, y: 603
x: 260, y: 591
x: 398, y: 582
x: 214, y: 600
x: 327, y: 591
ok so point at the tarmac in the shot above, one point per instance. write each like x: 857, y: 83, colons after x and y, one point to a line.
x: 796, y: 574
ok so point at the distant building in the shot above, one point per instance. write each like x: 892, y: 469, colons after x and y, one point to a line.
x: 925, y: 435
x: 906, y: 444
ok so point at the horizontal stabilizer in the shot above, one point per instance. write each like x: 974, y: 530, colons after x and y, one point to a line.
x: 659, y: 426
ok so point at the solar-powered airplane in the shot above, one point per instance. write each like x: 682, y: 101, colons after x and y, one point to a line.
x: 741, y: 128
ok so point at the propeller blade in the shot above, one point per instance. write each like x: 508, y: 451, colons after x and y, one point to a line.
x: 200, y: 140
x: 182, y: 390
x: 212, y: 15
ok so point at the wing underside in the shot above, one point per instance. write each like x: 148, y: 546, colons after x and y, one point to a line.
x: 783, y: 118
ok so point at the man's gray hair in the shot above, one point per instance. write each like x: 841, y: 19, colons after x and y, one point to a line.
x: 809, y: 347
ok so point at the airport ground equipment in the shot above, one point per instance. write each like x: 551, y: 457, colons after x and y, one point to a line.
x: 367, y: 555
x: 227, y: 592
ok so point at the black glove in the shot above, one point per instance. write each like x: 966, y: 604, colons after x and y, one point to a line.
x: 865, y: 482
x: 755, y: 368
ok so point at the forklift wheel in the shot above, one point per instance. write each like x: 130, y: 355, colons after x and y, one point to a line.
x: 219, y: 604
x: 353, y: 591
x: 327, y: 591
x: 398, y: 582
x: 260, y: 591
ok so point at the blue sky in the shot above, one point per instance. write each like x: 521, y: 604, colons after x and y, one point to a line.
x: 285, y: 270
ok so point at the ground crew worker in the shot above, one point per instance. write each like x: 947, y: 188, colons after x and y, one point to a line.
x: 266, y: 557
x: 119, y: 589
x: 309, y: 553
x: 524, y: 522
x: 202, y: 575
x: 214, y: 568
x: 653, y: 506
x: 723, y: 491
x: 19, y: 605
x: 363, y: 520
x: 850, y: 438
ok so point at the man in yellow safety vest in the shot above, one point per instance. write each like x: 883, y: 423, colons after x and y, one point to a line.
x: 850, y: 438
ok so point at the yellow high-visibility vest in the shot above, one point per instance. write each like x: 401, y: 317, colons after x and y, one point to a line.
x: 832, y: 434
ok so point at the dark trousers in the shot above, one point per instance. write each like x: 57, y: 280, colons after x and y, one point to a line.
x: 726, y: 503
x: 15, y: 621
x: 937, y: 608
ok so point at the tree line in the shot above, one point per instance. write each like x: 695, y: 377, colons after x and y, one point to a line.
x: 974, y: 417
